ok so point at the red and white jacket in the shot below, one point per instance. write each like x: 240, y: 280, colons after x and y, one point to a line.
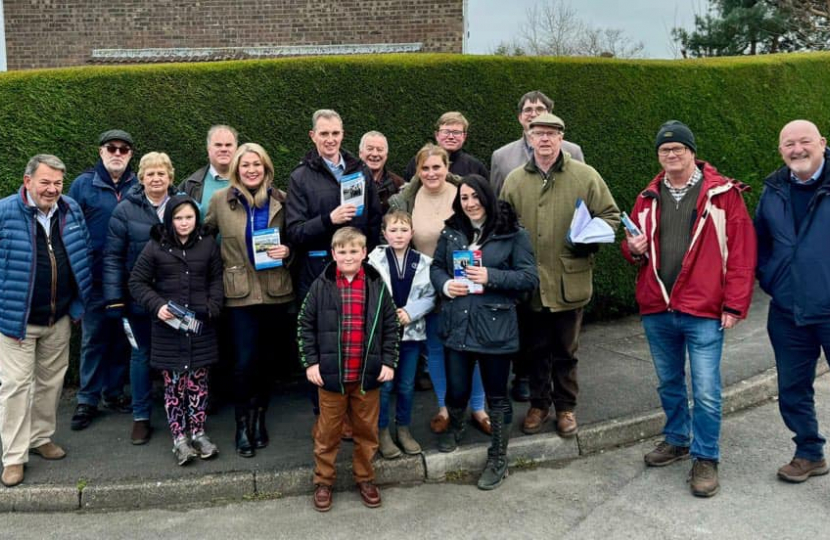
x: 718, y: 271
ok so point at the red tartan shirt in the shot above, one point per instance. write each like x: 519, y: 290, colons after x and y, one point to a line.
x: 352, y: 324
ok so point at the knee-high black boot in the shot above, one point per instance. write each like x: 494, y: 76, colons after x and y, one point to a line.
x: 260, y: 433
x: 244, y: 445
x: 495, y: 471
x: 448, y: 441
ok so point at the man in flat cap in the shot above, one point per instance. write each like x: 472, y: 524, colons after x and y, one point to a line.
x: 104, y: 347
x: 544, y: 193
x: 695, y: 248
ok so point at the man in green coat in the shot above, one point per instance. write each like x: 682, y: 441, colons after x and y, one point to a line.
x: 544, y: 193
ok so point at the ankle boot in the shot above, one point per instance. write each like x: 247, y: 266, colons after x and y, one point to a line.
x: 495, y: 471
x: 407, y: 441
x: 260, y: 434
x: 388, y: 448
x: 244, y: 446
x: 448, y: 441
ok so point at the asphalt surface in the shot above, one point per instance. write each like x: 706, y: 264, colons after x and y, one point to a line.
x: 618, y: 404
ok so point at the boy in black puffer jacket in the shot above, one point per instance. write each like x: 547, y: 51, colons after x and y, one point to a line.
x: 348, y: 338
x: 182, y: 263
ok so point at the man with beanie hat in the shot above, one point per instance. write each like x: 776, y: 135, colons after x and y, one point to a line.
x: 544, y: 193
x: 104, y: 347
x: 695, y: 248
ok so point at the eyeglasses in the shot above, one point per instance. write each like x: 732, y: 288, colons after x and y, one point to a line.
x: 545, y: 134
x: 676, y: 150
x: 123, y: 150
x: 453, y: 132
x: 538, y: 110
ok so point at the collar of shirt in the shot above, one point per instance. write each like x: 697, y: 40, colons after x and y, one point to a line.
x: 678, y: 193
x: 813, y: 179
x: 215, y: 174
x: 336, y: 170
x: 160, y: 207
x: 528, y: 148
x: 341, y: 277
x: 44, y: 218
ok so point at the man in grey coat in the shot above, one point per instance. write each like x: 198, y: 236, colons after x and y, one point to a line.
x: 517, y: 153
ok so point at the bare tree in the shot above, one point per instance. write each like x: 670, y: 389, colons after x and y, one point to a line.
x: 553, y: 28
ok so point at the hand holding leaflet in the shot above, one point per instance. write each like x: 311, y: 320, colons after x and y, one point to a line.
x: 587, y: 230
x: 630, y: 226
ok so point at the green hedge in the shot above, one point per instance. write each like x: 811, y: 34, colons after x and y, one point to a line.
x: 735, y: 106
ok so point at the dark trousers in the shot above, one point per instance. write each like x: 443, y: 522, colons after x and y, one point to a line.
x: 495, y: 371
x: 551, y: 341
x: 797, y: 350
x: 261, y: 339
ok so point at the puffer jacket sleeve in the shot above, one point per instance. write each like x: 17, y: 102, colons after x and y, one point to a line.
x: 141, y: 281
x: 115, y: 256
x: 522, y: 275
x: 307, y: 328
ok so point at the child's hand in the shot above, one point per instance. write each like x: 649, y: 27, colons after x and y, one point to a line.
x: 386, y: 374
x: 403, y: 316
x: 164, y: 314
x: 313, y: 375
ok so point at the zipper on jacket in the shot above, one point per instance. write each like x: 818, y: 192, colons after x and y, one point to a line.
x: 53, y: 302
x: 369, y: 341
x: 340, y: 357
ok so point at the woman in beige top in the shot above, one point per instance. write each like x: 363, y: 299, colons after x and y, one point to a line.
x: 429, y: 208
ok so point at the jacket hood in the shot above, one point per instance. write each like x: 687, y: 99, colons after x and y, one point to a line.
x: 164, y: 232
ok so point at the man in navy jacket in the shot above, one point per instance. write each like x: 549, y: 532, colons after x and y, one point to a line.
x: 104, y: 348
x: 44, y: 282
x: 791, y: 221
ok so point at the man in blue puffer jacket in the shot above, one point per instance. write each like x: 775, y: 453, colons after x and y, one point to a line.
x: 44, y: 282
x: 791, y: 221
x: 104, y: 348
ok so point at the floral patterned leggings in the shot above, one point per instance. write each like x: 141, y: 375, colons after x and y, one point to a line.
x: 185, y: 400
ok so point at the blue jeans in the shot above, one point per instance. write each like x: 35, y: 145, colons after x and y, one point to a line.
x: 797, y: 350
x: 669, y: 336
x: 403, y: 384
x: 438, y: 369
x: 140, y: 383
x: 104, y: 353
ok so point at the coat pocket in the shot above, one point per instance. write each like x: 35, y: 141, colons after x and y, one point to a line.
x: 236, y: 282
x: 496, y: 325
x: 577, y: 280
x: 278, y: 282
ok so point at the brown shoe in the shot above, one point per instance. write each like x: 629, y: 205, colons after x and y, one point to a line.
x: 482, y: 425
x: 800, y: 469
x: 369, y: 494
x: 12, y: 475
x: 50, y: 451
x: 439, y: 423
x: 534, y: 420
x: 348, y: 433
x: 141, y: 432
x: 566, y: 424
x: 665, y: 454
x: 322, y: 498
x: 703, y: 478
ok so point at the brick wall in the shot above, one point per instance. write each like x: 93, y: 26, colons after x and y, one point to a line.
x: 57, y: 33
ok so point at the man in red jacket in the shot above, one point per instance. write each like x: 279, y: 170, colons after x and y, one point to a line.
x: 696, y: 249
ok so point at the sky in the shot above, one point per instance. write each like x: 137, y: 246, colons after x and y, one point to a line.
x: 650, y: 21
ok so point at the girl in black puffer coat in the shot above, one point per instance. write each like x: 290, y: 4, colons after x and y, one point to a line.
x: 182, y: 263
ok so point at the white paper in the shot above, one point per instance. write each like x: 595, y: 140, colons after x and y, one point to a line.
x: 587, y: 230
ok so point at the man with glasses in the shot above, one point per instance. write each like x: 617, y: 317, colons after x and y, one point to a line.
x: 104, y: 347
x: 695, y: 248
x: 517, y: 153
x: 544, y: 194
x: 450, y: 134
x: 791, y: 221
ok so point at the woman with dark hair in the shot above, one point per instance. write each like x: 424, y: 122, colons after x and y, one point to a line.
x: 479, y: 313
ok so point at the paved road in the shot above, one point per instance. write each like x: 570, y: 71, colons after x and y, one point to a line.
x: 607, y: 496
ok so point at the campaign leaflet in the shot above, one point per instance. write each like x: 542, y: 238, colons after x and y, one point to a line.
x: 265, y: 239
x: 352, y: 188
x: 587, y: 230
x: 630, y: 226
x: 128, y: 331
x: 461, y: 259
x: 183, y: 319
